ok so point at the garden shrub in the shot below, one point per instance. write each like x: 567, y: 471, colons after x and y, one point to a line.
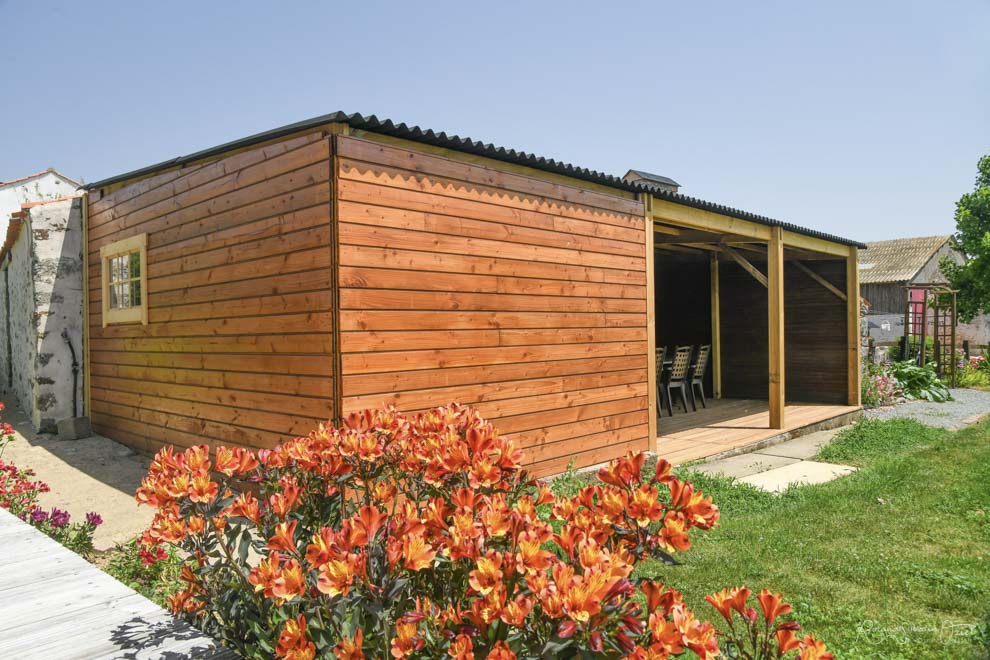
x: 879, y: 387
x: 920, y: 382
x: 19, y: 494
x: 419, y: 536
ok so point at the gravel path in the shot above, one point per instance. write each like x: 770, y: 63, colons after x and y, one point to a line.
x: 966, y: 408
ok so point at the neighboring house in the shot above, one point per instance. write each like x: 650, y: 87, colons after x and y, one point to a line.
x: 245, y: 293
x: 49, y: 184
x: 887, y: 268
x: 41, y: 298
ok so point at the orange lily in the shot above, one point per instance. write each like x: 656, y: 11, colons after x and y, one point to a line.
x: 294, y: 643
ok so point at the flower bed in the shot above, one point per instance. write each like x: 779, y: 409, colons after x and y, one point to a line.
x: 421, y: 537
x: 19, y: 493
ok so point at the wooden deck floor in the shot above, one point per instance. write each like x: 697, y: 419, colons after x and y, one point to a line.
x: 55, y: 604
x: 729, y: 424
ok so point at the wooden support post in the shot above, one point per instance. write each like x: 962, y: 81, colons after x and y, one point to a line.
x: 86, y: 371
x: 716, y: 331
x: 775, y: 295
x: 852, y: 323
x: 651, y: 323
x: 923, y: 340
x: 952, y: 351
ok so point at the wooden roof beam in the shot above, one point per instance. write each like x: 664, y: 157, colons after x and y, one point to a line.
x: 746, y: 265
x: 821, y: 280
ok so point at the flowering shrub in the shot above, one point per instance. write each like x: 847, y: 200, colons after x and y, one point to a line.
x: 420, y: 537
x: 879, y: 387
x: 19, y: 495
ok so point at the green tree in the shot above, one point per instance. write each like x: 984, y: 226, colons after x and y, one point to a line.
x: 972, y: 238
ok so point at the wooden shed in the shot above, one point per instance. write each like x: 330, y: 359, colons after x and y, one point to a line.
x: 244, y: 293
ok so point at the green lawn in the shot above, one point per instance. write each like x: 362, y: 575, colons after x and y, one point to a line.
x: 890, y: 562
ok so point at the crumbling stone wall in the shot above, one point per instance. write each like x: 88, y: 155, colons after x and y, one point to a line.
x: 44, y: 274
x: 20, y: 355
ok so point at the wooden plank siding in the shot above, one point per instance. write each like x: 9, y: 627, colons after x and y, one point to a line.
x: 524, y: 297
x: 238, y: 347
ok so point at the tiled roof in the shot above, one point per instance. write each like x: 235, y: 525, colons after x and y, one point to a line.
x: 897, y: 260
x: 50, y: 170
x: 456, y: 143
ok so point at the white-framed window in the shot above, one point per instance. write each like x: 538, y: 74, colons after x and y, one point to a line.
x: 124, y: 266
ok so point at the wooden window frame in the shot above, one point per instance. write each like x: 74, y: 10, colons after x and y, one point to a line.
x: 138, y: 313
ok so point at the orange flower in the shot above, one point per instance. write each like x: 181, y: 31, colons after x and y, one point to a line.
x: 284, y: 538
x: 787, y: 641
x: 644, y: 507
x: 623, y: 472
x: 813, y: 649
x: 515, y: 611
x: 263, y: 575
x: 664, y: 472
x: 335, y: 578
x: 772, y: 605
x: 461, y: 648
x: 417, y: 554
x: 531, y: 557
x: 729, y: 599
x: 487, y: 575
x: 284, y: 502
x: 235, y: 460
x: 293, y: 643
x: 501, y: 651
x: 201, y: 488
x: 319, y: 551
x: 404, y: 641
x: 197, y: 459
x: 366, y: 525
x: 583, y: 594
x: 350, y: 648
x: 195, y: 524
x: 245, y: 506
x: 674, y: 535
x: 290, y: 582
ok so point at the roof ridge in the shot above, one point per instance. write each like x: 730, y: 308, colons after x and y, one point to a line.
x: 50, y: 170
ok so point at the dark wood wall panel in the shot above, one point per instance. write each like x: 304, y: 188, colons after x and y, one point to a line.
x: 238, y: 348
x: 815, y: 334
x: 523, y: 297
x: 683, y: 302
x: 744, y: 332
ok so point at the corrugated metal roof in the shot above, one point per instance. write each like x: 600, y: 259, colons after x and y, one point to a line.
x: 475, y: 147
x: 897, y: 260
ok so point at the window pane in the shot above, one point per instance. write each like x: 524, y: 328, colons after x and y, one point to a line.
x: 135, y: 259
x: 114, y: 302
x: 135, y: 293
x: 125, y: 298
x: 114, y: 269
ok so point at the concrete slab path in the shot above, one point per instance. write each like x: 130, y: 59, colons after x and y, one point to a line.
x: 780, y: 466
x: 95, y: 474
x: 806, y: 473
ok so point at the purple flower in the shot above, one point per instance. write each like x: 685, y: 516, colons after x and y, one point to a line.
x: 39, y: 516
x: 94, y: 519
x: 59, y: 518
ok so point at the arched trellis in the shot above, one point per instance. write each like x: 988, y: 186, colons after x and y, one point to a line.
x: 930, y: 314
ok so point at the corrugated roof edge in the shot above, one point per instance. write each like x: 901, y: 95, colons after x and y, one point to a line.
x: 467, y: 145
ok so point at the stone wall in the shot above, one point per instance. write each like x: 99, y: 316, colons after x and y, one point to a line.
x: 43, y: 278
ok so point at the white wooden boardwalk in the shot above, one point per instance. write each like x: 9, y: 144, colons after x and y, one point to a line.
x: 54, y: 604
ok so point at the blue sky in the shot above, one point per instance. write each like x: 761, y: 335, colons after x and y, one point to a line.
x: 863, y: 119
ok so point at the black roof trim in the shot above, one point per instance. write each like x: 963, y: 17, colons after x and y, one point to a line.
x: 467, y: 145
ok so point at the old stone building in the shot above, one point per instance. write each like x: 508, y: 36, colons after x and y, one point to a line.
x: 41, y: 297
